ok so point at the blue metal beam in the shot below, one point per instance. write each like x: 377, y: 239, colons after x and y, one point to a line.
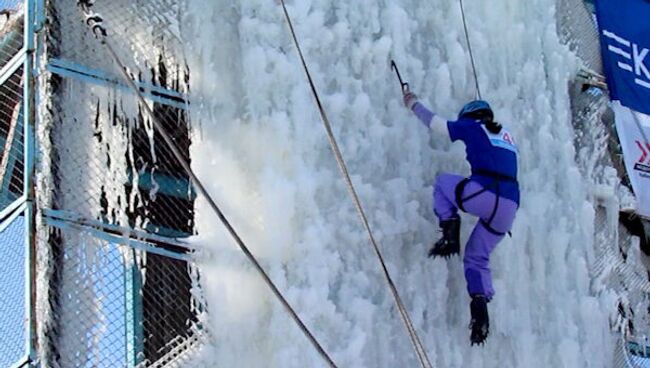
x: 134, y: 312
x: 29, y: 117
x: 130, y: 233
x: 39, y: 15
x: 117, y: 239
x: 157, y: 94
x: 166, y: 184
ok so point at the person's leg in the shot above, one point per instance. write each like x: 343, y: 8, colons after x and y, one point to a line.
x: 480, y: 203
x: 479, y: 280
x: 482, y: 241
x: 444, y: 196
x: 477, y: 256
x: 477, y: 261
x: 444, y: 205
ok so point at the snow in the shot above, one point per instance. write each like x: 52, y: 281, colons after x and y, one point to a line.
x: 264, y: 156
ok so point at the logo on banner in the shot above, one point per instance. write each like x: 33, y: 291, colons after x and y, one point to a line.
x: 633, y: 57
x: 643, y: 163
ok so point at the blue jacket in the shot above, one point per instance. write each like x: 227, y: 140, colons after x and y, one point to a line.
x: 489, y: 155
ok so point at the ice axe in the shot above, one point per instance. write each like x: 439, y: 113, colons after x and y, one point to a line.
x: 403, y: 85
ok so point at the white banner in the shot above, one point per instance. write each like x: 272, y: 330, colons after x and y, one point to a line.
x: 633, y: 130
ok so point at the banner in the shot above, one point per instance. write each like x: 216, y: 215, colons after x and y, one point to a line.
x: 625, y: 47
x: 624, y: 28
x: 633, y: 129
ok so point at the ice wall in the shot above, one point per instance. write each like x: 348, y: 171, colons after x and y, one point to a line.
x: 264, y: 156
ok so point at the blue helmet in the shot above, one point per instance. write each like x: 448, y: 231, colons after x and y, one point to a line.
x: 477, y: 109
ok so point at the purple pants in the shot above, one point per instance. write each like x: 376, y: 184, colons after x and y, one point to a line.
x: 481, y: 243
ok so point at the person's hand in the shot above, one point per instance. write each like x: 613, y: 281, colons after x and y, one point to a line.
x: 410, y: 99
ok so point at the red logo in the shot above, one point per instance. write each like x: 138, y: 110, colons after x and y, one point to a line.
x: 645, y: 152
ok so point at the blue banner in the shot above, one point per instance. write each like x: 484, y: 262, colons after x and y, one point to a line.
x: 625, y: 45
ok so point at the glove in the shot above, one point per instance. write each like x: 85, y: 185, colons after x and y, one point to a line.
x: 410, y: 99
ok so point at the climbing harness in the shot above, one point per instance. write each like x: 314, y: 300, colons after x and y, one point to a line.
x: 497, y: 178
x: 469, y: 47
x: 95, y: 22
x: 415, y: 340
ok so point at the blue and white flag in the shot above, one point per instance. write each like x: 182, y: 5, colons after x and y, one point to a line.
x: 624, y: 27
x: 625, y: 44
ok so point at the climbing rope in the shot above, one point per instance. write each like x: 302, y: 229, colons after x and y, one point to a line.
x: 95, y: 22
x: 469, y: 47
x: 415, y: 340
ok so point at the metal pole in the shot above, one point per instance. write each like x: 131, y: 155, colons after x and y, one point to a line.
x: 28, y: 184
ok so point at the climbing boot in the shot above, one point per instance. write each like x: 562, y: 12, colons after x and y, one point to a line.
x: 449, y: 244
x: 480, y: 323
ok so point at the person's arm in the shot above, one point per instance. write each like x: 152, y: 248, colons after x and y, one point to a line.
x: 428, y: 118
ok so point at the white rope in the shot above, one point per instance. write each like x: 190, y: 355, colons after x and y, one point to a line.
x: 94, y: 21
x: 415, y: 340
x: 469, y: 47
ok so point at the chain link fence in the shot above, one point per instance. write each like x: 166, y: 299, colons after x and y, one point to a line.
x: 576, y: 26
x: 115, y: 205
x: 115, y: 305
x: 12, y: 292
x: 11, y: 34
x: 95, y: 113
x: 621, y: 266
x: 11, y: 108
x: 11, y: 139
x: 14, y: 308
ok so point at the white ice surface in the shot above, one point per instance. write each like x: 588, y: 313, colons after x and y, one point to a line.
x: 263, y: 155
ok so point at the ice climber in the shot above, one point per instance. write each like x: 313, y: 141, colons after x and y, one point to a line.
x: 490, y: 193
